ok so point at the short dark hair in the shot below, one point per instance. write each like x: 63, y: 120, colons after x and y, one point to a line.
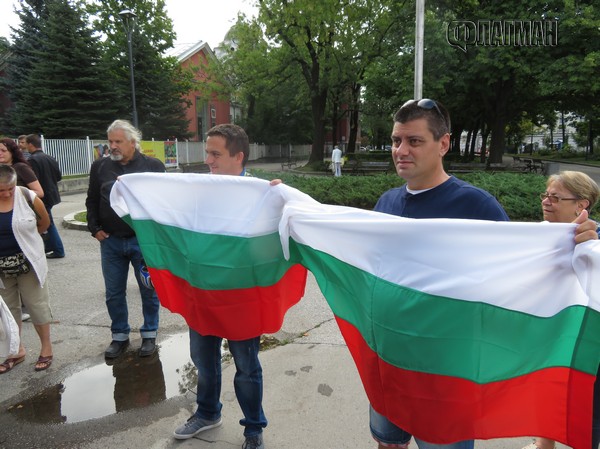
x: 236, y: 139
x: 34, y: 140
x: 438, y: 118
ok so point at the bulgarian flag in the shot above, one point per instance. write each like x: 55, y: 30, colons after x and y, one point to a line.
x: 461, y: 329
x: 213, y: 250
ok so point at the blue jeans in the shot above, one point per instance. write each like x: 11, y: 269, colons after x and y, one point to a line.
x: 206, y: 355
x: 116, y: 254
x: 52, y: 241
x: 387, y: 432
x: 338, y: 168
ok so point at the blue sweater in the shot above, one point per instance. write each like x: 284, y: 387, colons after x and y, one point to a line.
x: 452, y: 199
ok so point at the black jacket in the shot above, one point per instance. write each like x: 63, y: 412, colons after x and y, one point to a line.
x: 103, y: 174
x: 48, y: 174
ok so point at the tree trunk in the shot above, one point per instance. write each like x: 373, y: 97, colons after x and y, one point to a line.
x: 497, y: 118
x: 352, y: 138
x: 590, y: 136
x: 497, y: 142
x: 318, y: 103
x: 334, y: 124
x: 468, y: 143
x: 473, y: 142
x: 354, y: 117
x: 455, y: 141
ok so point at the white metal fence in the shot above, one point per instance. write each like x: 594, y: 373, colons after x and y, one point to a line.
x: 75, y: 157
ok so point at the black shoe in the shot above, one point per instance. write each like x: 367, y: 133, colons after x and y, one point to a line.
x: 53, y: 255
x: 115, y: 349
x: 148, y: 347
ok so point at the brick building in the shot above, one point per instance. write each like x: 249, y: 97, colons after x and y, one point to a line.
x: 206, y: 110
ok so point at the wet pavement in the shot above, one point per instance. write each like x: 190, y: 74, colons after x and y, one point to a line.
x: 313, y: 397
x: 113, y: 386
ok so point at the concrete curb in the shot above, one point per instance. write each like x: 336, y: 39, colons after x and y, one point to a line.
x: 69, y: 222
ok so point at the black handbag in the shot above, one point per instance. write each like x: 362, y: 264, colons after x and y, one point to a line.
x: 15, y: 265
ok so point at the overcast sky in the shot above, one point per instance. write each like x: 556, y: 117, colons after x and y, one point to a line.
x: 192, y: 20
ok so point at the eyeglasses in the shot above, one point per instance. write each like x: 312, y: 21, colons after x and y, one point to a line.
x: 555, y: 199
x: 427, y: 104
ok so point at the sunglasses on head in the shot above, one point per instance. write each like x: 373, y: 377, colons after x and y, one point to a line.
x: 427, y: 104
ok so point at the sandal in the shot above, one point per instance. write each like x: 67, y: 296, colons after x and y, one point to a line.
x: 9, y: 364
x: 43, y: 363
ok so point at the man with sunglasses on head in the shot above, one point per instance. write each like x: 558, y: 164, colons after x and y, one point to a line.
x: 420, y: 139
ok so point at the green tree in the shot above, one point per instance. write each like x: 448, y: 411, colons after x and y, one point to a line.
x: 54, y: 81
x: 488, y: 88
x: 502, y: 82
x: 264, y: 79
x: 570, y: 80
x: 4, y: 45
x: 160, y: 84
x: 389, y: 81
x: 331, y: 44
x: 19, y: 63
x: 307, y: 29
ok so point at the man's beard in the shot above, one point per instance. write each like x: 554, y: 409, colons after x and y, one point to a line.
x: 116, y: 157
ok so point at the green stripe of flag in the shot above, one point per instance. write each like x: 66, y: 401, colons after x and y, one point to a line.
x: 437, y: 335
x: 212, y: 261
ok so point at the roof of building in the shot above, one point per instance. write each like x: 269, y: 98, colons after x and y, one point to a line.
x: 183, y: 51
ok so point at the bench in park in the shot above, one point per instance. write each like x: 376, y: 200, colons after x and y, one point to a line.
x: 289, y: 162
x: 520, y: 166
x: 465, y: 167
x: 357, y: 167
x: 528, y: 164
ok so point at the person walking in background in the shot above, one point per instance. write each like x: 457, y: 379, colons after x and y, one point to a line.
x: 118, y: 244
x: 567, y: 194
x: 23, y: 266
x: 336, y: 160
x: 227, y: 150
x: 48, y: 173
x: 22, y: 142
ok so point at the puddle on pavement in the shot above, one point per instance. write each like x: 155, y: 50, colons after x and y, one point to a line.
x: 127, y: 383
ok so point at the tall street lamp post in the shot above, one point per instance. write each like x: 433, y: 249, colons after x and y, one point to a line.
x: 128, y: 18
x: 419, y: 33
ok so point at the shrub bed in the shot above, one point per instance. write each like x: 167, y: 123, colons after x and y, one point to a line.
x: 518, y: 193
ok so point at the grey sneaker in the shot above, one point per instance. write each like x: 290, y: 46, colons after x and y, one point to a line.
x: 194, y: 426
x: 254, y: 442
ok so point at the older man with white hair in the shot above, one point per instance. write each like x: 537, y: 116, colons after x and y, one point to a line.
x: 118, y: 243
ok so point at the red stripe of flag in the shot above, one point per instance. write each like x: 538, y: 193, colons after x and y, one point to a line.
x: 236, y: 314
x: 554, y: 403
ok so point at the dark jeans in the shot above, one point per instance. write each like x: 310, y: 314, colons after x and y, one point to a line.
x: 52, y: 241
x: 248, y: 383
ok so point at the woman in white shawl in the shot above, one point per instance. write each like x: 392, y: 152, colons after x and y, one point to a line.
x: 23, y: 266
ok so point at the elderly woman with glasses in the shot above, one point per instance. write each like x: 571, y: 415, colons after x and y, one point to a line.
x: 567, y: 194
x: 23, y: 266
